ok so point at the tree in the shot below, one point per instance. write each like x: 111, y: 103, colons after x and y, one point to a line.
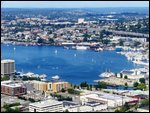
x: 101, y: 85
x: 141, y: 86
x: 66, y: 110
x: 84, y: 84
x: 135, y: 84
x: 63, y: 90
x: 40, y: 40
x: 142, y: 80
x: 144, y: 102
x: 121, y: 42
x: 125, y: 77
x: 51, y: 40
x: 126, y: 84
x: 121, y: 75
x: 74, y: 86
x: 116, y: 74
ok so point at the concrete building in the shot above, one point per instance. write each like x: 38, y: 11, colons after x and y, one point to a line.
x: 12, y: 88
x: 42, y: 86
x: 87, y: 107
x: 111, y: 100
x: 7, y: 67
x: 46, y: 106
x: 58, y: 85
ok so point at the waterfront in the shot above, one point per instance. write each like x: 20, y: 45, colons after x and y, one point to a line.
x: 74, y: 66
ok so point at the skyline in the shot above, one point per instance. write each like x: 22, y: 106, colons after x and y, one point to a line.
x: 72, y: 4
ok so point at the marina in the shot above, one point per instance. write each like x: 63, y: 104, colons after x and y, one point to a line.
x: 67, y: 63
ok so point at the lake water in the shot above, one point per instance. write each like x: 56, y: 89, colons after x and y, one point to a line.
x: 74, y: 66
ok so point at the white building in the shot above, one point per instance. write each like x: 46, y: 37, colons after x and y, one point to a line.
x: 7, y: 67
x: 88, y: 107
x: 46, y: 106
x: 111, y: 100
x: 81, y: 20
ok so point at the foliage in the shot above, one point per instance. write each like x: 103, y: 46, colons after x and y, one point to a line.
x: 63, y: 90
x: 102, y: 85
x: 84, y: 84
x: 142, y: 80
x: 135, y: 84
x: 125, y: 77
x: 126, y: 84
x: 31, y: 100
x: 23, y: 98
x: 141, y: 86
x: 72, y: 91
x: 25, y: 78
x: 11, y: 105
x: 144, y: 102
x: 121, y: 75
x: 5, y: 78
x: 66, y: 110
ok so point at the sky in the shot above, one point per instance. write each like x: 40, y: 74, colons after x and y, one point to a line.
x: 72, y: 4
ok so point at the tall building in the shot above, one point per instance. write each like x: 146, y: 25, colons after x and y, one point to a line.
x: 7, y: 67
x: 46, y: 106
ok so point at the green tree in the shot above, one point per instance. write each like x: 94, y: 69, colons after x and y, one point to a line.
x: 125, y: 77
x: 121, y: 75
x: 126, y: 84
x: 135, y: 84
x: 144, y: 102
x: 142, y: 80
x: 51, y: 40
x: 63, y: 90
x: 102, y: 85
x: 84, y: 84
x: 121, y: 42
x: 141, y: 86
x: 66, y: 110
x: 40, y: 40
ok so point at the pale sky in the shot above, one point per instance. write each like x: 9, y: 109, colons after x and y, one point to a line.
x: 72, y: 4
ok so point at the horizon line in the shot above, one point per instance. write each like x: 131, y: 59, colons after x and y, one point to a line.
x: 78, y: 7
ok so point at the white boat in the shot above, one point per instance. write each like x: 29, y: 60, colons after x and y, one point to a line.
x: 55, y: 77
x: 81, y: 47
x: 106, y: 74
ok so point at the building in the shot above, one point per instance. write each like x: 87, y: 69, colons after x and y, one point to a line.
x: 13, y: 88
x: 88, y: 107
x: 42, y: 86
x: 7, y: 67
x: 58, y: 85
x: 80, y: 20
x: 111, y: 100
x: 46, y: 106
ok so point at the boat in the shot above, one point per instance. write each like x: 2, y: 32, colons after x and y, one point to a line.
x: 106, y: 74
x: 98, y: 49
x: 56, y: 77
x: 81, y: 47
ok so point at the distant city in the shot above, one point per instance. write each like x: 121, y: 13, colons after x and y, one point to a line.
x: 75, y: 59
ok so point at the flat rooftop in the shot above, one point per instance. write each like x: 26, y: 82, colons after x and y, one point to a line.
x: 45, y: 103
x: 7, y: 61
x: 10, y: 83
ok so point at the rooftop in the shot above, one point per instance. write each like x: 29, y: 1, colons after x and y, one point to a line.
x: 7, y: 61
x: 45, y: 103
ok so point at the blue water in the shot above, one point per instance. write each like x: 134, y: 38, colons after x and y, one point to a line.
x: 74, y: 66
